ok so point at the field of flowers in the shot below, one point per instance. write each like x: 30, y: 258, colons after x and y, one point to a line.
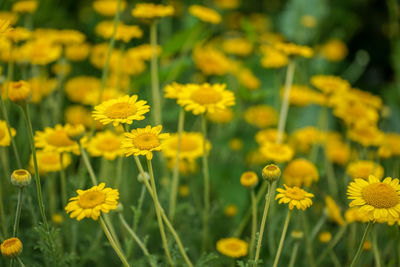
x: 199, y: 133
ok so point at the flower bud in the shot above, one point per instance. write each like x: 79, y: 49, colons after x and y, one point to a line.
x: 21, y: 178
x: 11, y: 247
x: 271, y: 172
x: 20, y: 92
x: 141, y: 178
x: 297, y: 234
x: 75, y: 132
x: 249, y: 179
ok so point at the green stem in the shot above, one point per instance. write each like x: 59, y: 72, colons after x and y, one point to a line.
x: 120, y: 163
x: 20, y: 262
x: 2, y: 215
x: 309, y: 247
x: 263, y: 221
x: 158, y: 213
x: 88, y: 165
x: 113, y: 244
x: 63, y: 181
x: 155, y: 86
x: 332, y: 244
x: 375, y: 249
x: 294, y: 254
x: 318, y: 226
x: 137, y: 239
x: 175, y: 178
x: 285, y: 103
x: 285, y: 227
x: 254, y: 222
x: 18, y: 212
x: 360, y: 247
x: 206, y: 176
x: 330, y: 173
x: 37, y: 176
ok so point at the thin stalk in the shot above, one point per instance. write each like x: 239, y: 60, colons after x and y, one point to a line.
x: 63, y: 181
x: 137, y: 239
x: 155, y: 86
x: 138, y: 212
x: 360, y: 247
x: 318, y: 226
x: 206, y: 176
x: 2, y: 215
x: 20, y: 262
x: 120, y: 163
x: 294, y: 254
x: 175, y: 177
x: 285, y: 103
x: 309, y: 247
x: 253, y: 222
x: 158, y: 213
x: 375, y: 249
x: 113, y: 244
x: 88, y: 165
x: 332, y: 244
x: 285, y: 227
x: 37, y: 176
x: 330, y: 174
x: 18, y: 212
x: 334, y: 259
x: 263, y: 221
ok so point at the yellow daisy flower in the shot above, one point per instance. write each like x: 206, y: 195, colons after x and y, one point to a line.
x: 295, y: 197
x: 261, y: 116
x: 4, y: 26
x: 330, y: 84
x: 249, y: 179
x: 108, y: 7
x: 121, y: 110
x: 366, y: 134
x: 206, y: 98
x: 334, y: 211
x: 355, y: 215
x: 173, y: 90
x: 211, y: 61
x: 268, y: 135
x: 277, y: 152
x: 11, y: 247
x: 150, y: 11
x: 205, y: 14
x: 5, y: 139
x: 364, y: 168
x: 191, y: 146
x: 89, y: 203
x: 380, y: 201
x: 232, y: 247
x: 221, y: 116
x: 55, y: 139
x: 300, y: 172
x: 291, y: 49
x: 273, y: 58
x: 143, y: 141
x: 49, y: 161
x: 105, y: 144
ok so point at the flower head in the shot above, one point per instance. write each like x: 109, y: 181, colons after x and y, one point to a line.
x: 300, y: 172
x: 25, y: 6
x: 249, y: 179
x: 151, y: 11
x: 271, y: 172
x: 11, y: 247
x: 143, y: 141
x: 379, y: 200
x: 232, y: 247
x: 261, y: 116
x: 364, y: 168
x: 121, y: 110
x: 291, y: 49
x: 295, y: 197
x: 191, y: 146
x: 89, y: 203
x: 105, y: 144
x: 56, y: 139
x: 324, y: 237
x: 108, y: 7
x: 19, y: 92
x: 334, y: 211
x: 21, y: 178
x: 205, y: 14
x: 49, y: 161
x: 5, y: 138
x: 334, y: 50
x: 277, y: 152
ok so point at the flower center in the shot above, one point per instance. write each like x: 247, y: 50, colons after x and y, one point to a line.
x: 146, y: 141
x: 59, y: 138
x: 295, y: 193
x: 205, y: 95
x: 91, y: 199
x: 2, y: 134
x: 233, y: 246
x: 186, y: 144
x: 380, y: 195
x: 50, y: 159
x: 109, y: 144
x: 120, y: 110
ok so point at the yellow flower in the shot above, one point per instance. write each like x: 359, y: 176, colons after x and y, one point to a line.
x: 324, y: 237
x: 255, y: 157
x: 25, y: 6
x: 390, y: 146
x: 150, y: 11
x: 18, y: 34
x: 247, y: 78
x: 221, y: 116
x: 19, y: 92
x: 330, y: 84
x: 237, y: 46
x: 41, y: 87
x: 4, y: 26
x: 334, y: 211
x: 227, y: 4
x: 55, y: 139
x: 364, y: 168
x: 308, y: 21
x: 11, y: 17
x: 366, y: 134
x: 300, y: 172
x: 302, y: 95
x: 173, y: 90
x: 232, y: 247
x: 273, y: 58
x: 295, y: 196
x: 367, y: 245
x: 105, y: 144
x: 98, y: 55
x: 11, y: 247
x: 205, y: 14
x: 211, y: 61
x: 122, y: 110
x: 337, y: 151
x: 5, y: 139
x: 184, y: 190
x: 249, y: 179
x: 235, y: 144
x: 268, y: 136
x: 279, y: 153
x: 108, y: 7
x: 230, y: 210
x: 355, y: 215
x: 42, y: 52
x: 191, y: 146
x: 291, y: 49
x: 271, y: 172
x: 186, y: 167
x: 57, y: 218
x: 334, y: 50
x: 206, y: 98
x: 354, y: 112
x: 21, y: 178
x: 77, y: 52
x: 380, y: 201
x: 49, y: 161
x: 89, y: 203
x: 125, y: 63
x: 261, y: 116
x: 75, y: 114
x: 69, y: 37
x: 303, y: 139
x: 143, y: 51
x: 143, y: 141
x: 124, y: 32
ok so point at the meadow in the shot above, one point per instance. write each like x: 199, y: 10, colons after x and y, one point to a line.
x: 199, y: 133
